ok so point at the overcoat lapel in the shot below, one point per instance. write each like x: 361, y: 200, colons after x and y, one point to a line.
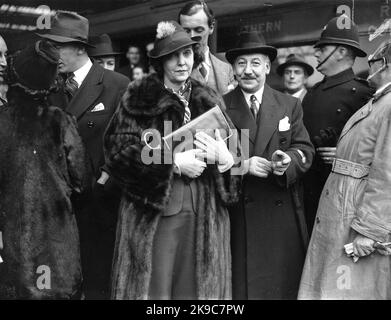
x: 268, y: 120
x: 357, y: 117
x: 240, y: 114
x: 87, y: 94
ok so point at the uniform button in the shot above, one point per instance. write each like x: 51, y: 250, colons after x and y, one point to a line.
x: 339, y: 110
x: 354, y: 90
x: 327, y: 192
x: 90, y: 124
x: 317, y: 220
x: 278, y: 203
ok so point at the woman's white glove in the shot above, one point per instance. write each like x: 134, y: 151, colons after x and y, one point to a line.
x: 188, y: 164
x: 215, y: 151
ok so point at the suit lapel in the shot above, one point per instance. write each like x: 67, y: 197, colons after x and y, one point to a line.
x: 357, y: 117
x: 196, y: 75
x: 268, y: 120
x: 87, y: 94
x: 215, y: 62
x: 240, y: 114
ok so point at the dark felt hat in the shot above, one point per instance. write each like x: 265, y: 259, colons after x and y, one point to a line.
x: 170, y: 37
x: 334, y: 33
x: 295, y: 59
x: 102, y: 46
x: 251, y: 42
x: 34, y: 69
x: 68, y: 27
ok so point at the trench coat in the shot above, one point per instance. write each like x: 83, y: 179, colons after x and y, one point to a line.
x: 268, y: 233
x: 349, y: 206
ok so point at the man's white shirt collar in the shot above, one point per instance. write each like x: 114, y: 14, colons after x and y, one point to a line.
x: 257, y: 95
x: 298, y: 93
x: 207, y: 57
x: 207, y: 63
x: 81, y: 73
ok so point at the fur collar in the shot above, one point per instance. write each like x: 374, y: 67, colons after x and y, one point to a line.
x: 150, y: 98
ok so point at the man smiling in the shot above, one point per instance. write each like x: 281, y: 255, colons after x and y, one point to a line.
x: 268, y: 228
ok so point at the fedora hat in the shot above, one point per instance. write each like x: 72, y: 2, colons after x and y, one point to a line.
x: 295, y: 59
x: 251, y: 42
x: 68, y: 27
x: 332, y: 34
x: 170, y: 37
x: 102, y: 47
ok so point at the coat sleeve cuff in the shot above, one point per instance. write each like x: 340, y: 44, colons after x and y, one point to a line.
x: 371, y: 229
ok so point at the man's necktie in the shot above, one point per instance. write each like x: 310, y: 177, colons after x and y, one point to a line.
x: 71, y: 85
x: 253, y: 106
x: 203, y: 71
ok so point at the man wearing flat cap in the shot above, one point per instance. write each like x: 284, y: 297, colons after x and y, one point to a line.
x: 295, y: 72
x: 91, y: 94
x: 268, y: 231
x: 331, y: 102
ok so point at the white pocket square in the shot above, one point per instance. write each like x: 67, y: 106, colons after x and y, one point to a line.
x: 98, y: 107
x: 284, y: 124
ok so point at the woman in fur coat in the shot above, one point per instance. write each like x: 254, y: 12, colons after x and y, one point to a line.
x: 42, y: 163
x: 173, y: 233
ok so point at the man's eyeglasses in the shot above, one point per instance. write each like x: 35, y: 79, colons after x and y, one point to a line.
x: 373, y: 61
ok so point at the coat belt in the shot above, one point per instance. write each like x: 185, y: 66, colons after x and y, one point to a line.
x: 349, y: 168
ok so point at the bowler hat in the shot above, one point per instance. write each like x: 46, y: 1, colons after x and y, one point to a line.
x: 333, y: 33
x: 251, y: 42
x: 34, y: 69
x: 170, y: 37
x: 295, y: 59
x: 102, y: 47
x: 68, y: 27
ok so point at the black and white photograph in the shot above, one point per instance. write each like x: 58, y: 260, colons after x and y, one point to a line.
x: 198, y: 155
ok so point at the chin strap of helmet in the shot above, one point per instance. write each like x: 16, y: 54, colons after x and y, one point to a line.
x: 327, y: 58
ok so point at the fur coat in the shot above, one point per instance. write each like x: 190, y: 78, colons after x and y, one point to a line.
x: 42, y: 163
x: 146, y: 190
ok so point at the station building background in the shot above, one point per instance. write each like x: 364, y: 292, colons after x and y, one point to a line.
x: 290, y: 25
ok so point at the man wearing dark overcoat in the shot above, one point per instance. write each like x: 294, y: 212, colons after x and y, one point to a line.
x: 331, y: 102
x: 268, y: 231
x: 91, y: 94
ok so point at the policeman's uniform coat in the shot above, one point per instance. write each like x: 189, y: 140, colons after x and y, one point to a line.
x: 268, y: 231
x: 355, y: 200
x: 329, y: 103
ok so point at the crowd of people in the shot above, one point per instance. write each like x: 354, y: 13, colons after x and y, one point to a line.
x: 266, y: 212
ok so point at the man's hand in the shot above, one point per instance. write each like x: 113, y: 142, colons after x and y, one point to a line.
x: 187, y: 163
x: 327, y: 154
x: 280, y: 162
x: 363, y: 246
x: 258, y: 166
